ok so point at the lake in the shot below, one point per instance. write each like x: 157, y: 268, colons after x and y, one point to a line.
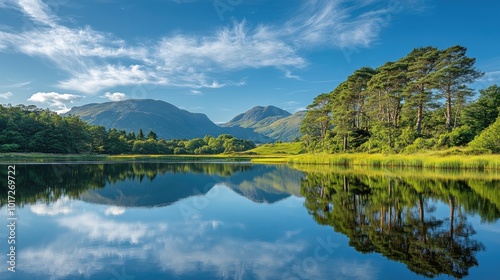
x: 154, y: 220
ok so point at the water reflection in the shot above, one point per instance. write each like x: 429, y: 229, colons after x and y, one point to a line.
x: 396, y: 217
x: 243, y: 221
x: 146, y: 184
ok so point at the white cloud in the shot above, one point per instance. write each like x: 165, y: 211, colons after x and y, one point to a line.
x: 15, y: 85
x: 108, y: 76
x: 90, y: 57
x: 196, y: 92
x: 61, y: 206
x: 114, y: 210
x: 6, y: 95
x: 342, y: 23
x: 491, y: 76
x: 116, y: 96
x: 235, y: 47
x: 97, y: 228
x: 38, y: 11
x: 56, y: 101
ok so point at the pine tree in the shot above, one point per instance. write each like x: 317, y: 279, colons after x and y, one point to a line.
x: 140, y: 135
x: 454, y: 71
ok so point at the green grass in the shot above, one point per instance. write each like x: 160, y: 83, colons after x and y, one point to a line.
x: 290, y: 153
x: 428, y: 161
x: 276, y: 149
x: 42, y: 157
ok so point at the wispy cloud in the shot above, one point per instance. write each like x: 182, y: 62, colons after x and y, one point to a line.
x: 38, y: 11
x: 56, y: 101
x: 108, y: 76
x: 116, y: 96
x: 6, y: 95
x: 90, y: 57
x: 195, y: 92
x: 15, y: 85
x: 491, y: 76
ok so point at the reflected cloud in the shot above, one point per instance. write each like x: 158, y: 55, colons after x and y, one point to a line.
x: 92, y: 244
x: 97, y: 228
x: 61, y: 206
x: 114, y: 211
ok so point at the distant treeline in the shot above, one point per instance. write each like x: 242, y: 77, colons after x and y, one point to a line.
x: 421, y: 101
x: 30, y: 129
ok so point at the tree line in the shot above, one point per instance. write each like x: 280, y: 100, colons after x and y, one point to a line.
x: 421, y: 101
x: 395, y: 217
x: 31, y: 129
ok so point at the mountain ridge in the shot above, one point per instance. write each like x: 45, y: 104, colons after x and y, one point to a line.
x: 270, y: 121
x: 165, y: 119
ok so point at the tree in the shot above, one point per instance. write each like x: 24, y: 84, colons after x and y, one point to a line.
x: 454, y: 71
x: 386, y: 101
x: 140, y: 135
x: 99, y: 137
x: 317, y: 121
x: 422, y: 62
x: 489, y: 138
x: 484, y: 111
x: 152, y: 135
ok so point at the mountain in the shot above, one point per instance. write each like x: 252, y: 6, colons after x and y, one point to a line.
x: 270, y: 121
x: 285, y: 129
x: 165, y: 119
x: 257, y: 117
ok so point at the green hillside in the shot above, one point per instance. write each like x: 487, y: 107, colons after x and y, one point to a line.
x: 257, y: 117
x: 285, y: 129
x: 270, y: 121
x: 168, y: 121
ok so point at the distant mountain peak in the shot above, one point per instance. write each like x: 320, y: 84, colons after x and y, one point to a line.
x: 167, y: 120
x: 258, y: 116
x: 271, y: 121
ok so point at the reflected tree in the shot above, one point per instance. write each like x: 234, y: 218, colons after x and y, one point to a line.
x: 396, y: 218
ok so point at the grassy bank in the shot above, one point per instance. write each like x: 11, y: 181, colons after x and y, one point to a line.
x: 402, y: 172
x: 428, y: 161
x: 290, y: 153
x: 41, y: 157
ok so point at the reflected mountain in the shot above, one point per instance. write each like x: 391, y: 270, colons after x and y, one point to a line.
x: 143, y: 184
x: 267, y: 183
x: 396, y: 217
x: 255, y: 182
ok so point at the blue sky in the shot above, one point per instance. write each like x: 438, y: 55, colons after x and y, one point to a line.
x: 222, y: 57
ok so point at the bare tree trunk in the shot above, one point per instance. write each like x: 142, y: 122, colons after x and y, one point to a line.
x: 448, y: 107
x: 419, y: 118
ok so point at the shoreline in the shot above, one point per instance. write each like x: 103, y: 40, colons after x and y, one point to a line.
x: 424, y: 161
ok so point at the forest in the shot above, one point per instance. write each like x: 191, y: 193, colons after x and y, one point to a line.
x: 419, y: 102
x: 394, y: 216
x: 30, y: 129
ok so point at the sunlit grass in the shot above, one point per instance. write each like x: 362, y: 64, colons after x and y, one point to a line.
x: 291, y: 148
x: 428, y: 161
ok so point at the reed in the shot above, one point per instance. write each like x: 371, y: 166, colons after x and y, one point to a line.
x: 428, y: 161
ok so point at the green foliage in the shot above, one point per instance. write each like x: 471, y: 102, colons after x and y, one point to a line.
x: 458, y: 137
x: 422, y: 95
x: 483, y: 112
x: 29, y: 129
x: 489, y: 139
x: 419, y: 145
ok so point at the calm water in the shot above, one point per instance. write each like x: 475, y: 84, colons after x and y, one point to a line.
x: 240, y: 221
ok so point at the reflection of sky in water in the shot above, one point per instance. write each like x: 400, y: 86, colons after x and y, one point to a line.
x: 220, y: 235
